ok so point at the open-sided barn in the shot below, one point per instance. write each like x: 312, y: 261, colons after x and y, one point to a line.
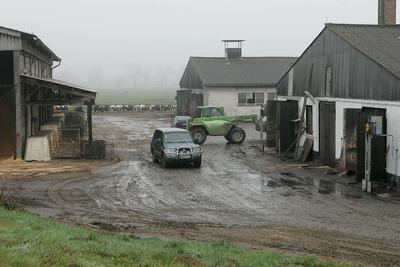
x: 27, y: 90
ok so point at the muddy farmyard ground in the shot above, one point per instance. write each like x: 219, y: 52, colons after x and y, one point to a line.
x: 239, y: 195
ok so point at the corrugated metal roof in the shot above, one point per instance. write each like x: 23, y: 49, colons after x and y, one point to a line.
x: 381, y: 43
x: 31, y: 38
x: 71, y: 87
x: 10, y: 40
x: 248, y: 71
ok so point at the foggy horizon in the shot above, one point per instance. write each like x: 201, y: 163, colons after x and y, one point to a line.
x: 134, y: 45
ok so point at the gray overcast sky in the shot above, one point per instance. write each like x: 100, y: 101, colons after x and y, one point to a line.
x: 113, y: 42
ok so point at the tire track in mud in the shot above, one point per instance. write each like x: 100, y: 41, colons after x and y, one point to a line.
x: 254, y: 187
x: 238, y: 195
x: 347, y: 205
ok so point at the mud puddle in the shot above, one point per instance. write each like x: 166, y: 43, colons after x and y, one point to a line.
x: 238, y: 195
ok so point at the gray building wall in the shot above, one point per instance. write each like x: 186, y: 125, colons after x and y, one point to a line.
x: 354, y: 75
x: 29, y: 118
x: 191, y: 78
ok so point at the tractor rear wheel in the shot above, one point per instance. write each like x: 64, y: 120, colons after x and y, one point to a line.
x: 199, y: 134
x: 236, y: 135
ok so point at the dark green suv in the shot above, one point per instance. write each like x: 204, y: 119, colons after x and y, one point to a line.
x: 174, y: 145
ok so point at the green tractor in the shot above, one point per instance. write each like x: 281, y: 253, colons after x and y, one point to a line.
x: 213, y: 121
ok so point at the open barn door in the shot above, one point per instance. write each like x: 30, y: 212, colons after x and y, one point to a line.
x: 288, y: 114
x: 327, y: 134
x: 7, y: 109
x: 272, y: 128
x: 378, y: 144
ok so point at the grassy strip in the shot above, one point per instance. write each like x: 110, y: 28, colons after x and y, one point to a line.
x: 28, y: 240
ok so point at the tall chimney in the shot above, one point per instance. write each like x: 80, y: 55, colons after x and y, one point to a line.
x: 233, y: 49
x: 387, y: 12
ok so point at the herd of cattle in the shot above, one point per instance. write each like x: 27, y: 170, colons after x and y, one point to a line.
x: 120, y: 108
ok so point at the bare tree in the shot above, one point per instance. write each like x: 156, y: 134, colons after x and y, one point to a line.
x: 120, y: 82
x: 164, y: 76
x: 134, y: 75
x: 146, y: 77
x: 96, y: 77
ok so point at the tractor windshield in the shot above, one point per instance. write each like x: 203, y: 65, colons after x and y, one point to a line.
x: 212, y: 112
x: 178, y: 138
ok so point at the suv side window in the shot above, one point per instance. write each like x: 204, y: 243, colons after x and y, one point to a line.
x: 157, y: 135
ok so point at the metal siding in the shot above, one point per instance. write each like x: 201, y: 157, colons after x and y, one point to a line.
x: 282, y: 86
x: 191, y: 78
x: 9, y: 42
x: 36, y: 52
x: 353, y: 74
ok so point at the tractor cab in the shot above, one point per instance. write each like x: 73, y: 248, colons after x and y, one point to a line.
x: 209, y: 111
x: 211, y: 120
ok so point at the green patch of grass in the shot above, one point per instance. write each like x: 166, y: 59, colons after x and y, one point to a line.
x: 136, y: 97
x: 8, y: 202
x: 28, y: 240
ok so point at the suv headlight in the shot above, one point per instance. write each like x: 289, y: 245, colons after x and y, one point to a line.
x: 196, y: 150
x: 169, y: 150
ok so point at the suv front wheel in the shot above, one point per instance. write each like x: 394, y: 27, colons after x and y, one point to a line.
x: 164, y: 163
x: 197, y: 164
x: 153, y: 156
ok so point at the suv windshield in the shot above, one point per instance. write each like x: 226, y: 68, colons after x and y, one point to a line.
x: 178, y: 138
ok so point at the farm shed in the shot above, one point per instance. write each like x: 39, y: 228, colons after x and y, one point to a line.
x: 239, y: 84
x: 353, y: 73
x: 28, y: 92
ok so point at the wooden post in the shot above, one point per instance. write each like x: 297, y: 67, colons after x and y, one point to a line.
x: 17, y: 101
x: 89, y: 119
x: 303, y: 110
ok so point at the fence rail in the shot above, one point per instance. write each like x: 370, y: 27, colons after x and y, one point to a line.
x: 80, y: 150
x: 66, y: 150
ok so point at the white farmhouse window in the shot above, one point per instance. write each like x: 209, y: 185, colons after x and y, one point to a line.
x: 251, y: 98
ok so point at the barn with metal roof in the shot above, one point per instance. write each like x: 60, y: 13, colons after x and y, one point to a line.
x: 349, y: 78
